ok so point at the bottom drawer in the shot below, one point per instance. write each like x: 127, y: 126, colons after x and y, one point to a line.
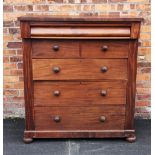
x: 80, y: 118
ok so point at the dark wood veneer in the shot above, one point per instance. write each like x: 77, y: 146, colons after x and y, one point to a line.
x: 80, y: 81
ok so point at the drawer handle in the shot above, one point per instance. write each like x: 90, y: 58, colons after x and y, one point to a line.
x: 102, y: 118
x: 104, y: 69
x: 55, y: 48
x: 104, y: 48
x: 103, y: 92
x: 56, y: 93
x: 56, y: 69
x: 57, y: 119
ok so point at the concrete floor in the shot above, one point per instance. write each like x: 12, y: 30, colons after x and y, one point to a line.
x: 13, y: 144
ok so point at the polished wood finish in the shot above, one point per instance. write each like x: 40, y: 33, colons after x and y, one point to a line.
x: 79, y: 76
x: 87, y: 93
x: 79, y: 69
x: 80, y: 32
x: 104, y: 49
x: 80, y: 118
x: 46, y: 48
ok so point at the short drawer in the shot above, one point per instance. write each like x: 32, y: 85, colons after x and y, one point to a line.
x: 79, y: 69
x: 105, y: 49
x: 47, y: 48
x: 79, y: 93
x: 80, y: 118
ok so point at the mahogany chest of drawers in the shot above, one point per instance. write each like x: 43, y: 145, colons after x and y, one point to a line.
x: 79, y: 76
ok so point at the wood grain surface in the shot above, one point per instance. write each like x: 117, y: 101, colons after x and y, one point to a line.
x: 79, y: 69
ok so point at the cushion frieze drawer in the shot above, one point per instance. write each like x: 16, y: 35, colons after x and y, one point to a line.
x: 85, y: 93
x: 47, y: 48
x: 79, y: 69
x: 79, y: 118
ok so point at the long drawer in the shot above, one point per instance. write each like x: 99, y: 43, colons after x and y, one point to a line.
x: 79, y: 93
x: 79, y: 69
x: 80, y: 118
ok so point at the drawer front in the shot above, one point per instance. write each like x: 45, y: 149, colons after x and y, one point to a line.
x: 79, y: 93
x: 48, y: 48
x: 80, y: 118
x: 105, y: 49
x: 79, y: 69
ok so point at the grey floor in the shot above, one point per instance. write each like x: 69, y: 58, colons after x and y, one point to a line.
x: 13, y: 144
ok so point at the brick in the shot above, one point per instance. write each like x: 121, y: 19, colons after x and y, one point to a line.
x: 5, y: 59
x: 21, y: 1
x: 8, y: 8
x: 132, y: 6
x: 18, y: 99
x: 146, y: 70
x: 9, y: 52
x: 144, y: 97
x: 146, y: 43
x: 23, y: 8
x: 55, y: 1
x: 117, y: 1
x: 21, y: 78
x: 143, y: 77
x: 11, y: 92
x: 16, y: 72
x: 59, y: 8
x: 143, y: 90
x: 14, y: 30
x: 11, y: 78
x: 9, y: 65
x: 143, y: 84
x: 102, y: 7
x: 14, y: 45
x: 146, y: 7
x: 8, y: 16
x: 16, y: 58
x: 20, y: 65
x: 19, y: 52
x: 99, y: 1
x: 114, y: 13
x: 41, y: 8
x: 7, y: 38
x: 21, y: 93
x: 146, y: 28
x: 6, y: 72
x: 88, y: 8
x: 83, y: 1
x: 143, y: 103
x: 145, y: 36
x: 144, y: 51
x: 138, y: 1
x: 17, y: 23
x: 8, y: 23
x: 120, y: 6
x: 143, y: 64
x: 18, y: 85
x: 5, y: 30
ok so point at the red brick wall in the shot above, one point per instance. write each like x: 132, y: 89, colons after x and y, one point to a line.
x: 13, y: 65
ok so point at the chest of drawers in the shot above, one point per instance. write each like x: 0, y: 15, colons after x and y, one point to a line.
x: 79, y: 76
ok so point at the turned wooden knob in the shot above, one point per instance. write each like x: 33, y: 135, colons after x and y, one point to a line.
x: 103, y: 92
x: 55, y: 48
x: 104, y: 48
x: 56, y: 93
x: 104, y: 69
x: 102, y: 118
x: 56, y: 69
x: 57, y: 119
